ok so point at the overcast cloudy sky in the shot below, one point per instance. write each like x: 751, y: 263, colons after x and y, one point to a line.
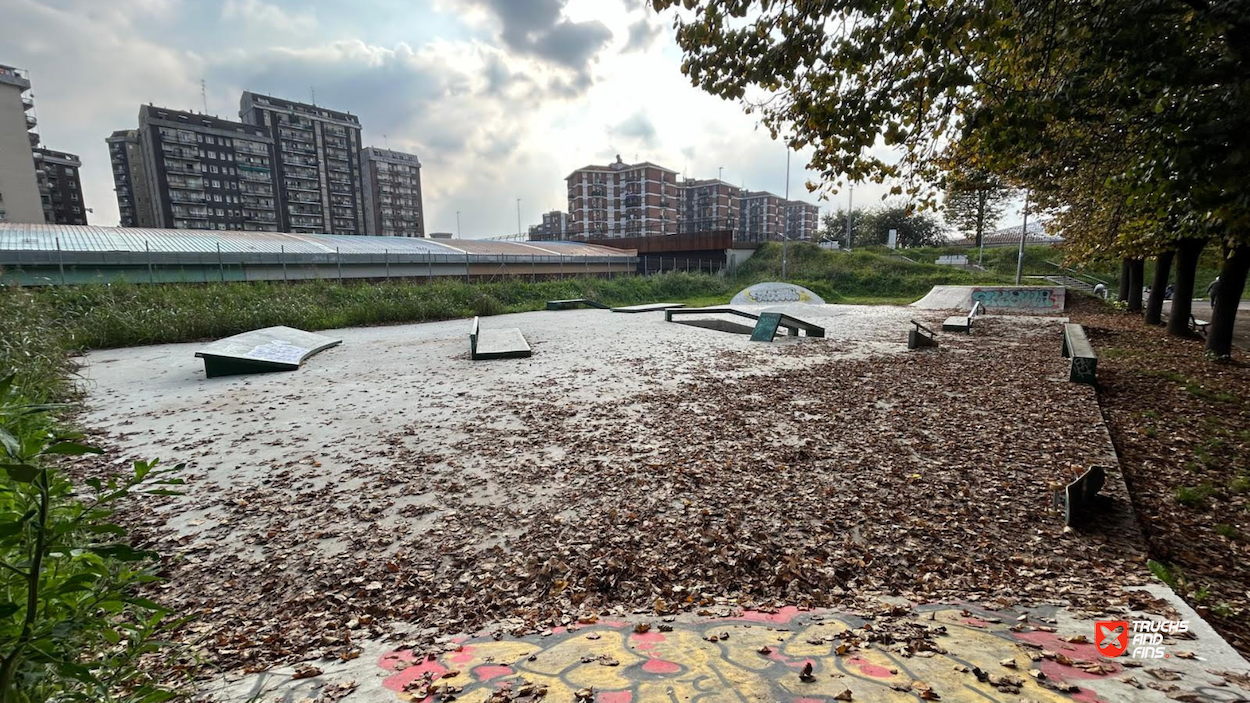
x: 500, y: 98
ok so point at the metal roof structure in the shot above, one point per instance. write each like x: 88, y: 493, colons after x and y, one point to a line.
x: 40, y: 254
x: 93, y: 238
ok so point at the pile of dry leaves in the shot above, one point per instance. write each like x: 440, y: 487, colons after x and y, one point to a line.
x: 926, y: 475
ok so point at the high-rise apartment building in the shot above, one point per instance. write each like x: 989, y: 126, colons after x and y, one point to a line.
x: 317, y: 159
x: 761, y: 216
x: 203, y: 172
x: 622, y: 200
x: 708, y: 205
x: 392, y: 192
x: 130, y: 181
x: 802, y: 220
x: 19, y: 190
x: 554, y: 227
x: 60, y: 187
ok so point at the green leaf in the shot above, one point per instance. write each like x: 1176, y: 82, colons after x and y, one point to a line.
x: 122, y: 552
x: 72, y: 449
x: 7, y: 609
x: 9, y: 443
x: 22, y: 473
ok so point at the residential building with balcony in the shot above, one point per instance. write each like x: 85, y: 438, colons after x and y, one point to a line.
x: 19, y: 188
x: 708, y: 205
x: 761, y: 216
x: 60, y: 187
x: 392, y: 192
x: 622, y: 200
x: 130, y: 181
x: 204, y: 172
x: 802, y: 221
x: 554, y: 227
x: 317, y: 164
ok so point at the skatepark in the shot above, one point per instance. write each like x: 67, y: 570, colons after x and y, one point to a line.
x: 647, y: 509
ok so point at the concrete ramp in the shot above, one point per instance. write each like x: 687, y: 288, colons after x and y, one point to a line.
x: 996, y: 299
x: 259, y: 351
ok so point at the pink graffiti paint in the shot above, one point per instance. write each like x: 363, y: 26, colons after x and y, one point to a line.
x: 783, y: 615
x: 614, y: 697
x: 462, y: 656
x: 1076, y: 651
x: 491, y: 671
x: 869, y: 669
x: 975, y: 622
x: 660, y: 666
x: 800, y: 663
x: 396, y: 682
x: 646, y: 640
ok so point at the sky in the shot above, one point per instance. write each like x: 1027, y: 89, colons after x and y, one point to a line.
x: 500, y: 99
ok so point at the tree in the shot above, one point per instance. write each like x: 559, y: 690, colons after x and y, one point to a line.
x: 974, y: 200
x: 1158, y: 88
x: 834, y: 227
x: 915, y: 229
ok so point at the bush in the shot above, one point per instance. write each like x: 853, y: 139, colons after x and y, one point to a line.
x: 71, y: 626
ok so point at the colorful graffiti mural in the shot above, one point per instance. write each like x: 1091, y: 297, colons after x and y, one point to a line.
x: 1026, y: 298
x: 790, y: 656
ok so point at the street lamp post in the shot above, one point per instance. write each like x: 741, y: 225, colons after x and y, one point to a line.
x: 1024, y: 228
x: 785, y: 229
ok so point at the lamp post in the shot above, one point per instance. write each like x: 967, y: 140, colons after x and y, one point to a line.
x: 1024, y: 228
x: 785, y: 230
x: 457, y: 224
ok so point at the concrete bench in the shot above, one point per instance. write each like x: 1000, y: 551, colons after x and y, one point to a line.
x: 573, y: 303
x: 497, y: 344
x: 1076, y: 346
x: 920, y: 337
x: 963, y: 323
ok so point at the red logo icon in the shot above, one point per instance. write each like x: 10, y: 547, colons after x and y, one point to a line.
x: 1111, y: 636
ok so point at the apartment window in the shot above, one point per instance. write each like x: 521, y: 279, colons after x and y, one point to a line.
x: 203, y: 168
x: 212, y: 169
x: 217, y: 197
x: 221, y: 213
x: 216, y: 184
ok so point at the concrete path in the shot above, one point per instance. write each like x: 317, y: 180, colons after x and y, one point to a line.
x: 1202, y: 311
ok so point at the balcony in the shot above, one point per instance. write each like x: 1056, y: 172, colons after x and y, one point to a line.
x: 27, y: 103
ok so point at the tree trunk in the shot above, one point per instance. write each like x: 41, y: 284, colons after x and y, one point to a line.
x: 1232, y: 285
x: 1163, y: 272
x: 981, y: 199
x: 1124, y: 276
x: 1187, y: 253
x: 1136, y: 272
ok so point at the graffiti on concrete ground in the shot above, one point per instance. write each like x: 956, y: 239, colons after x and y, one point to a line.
x: 1018, y: 298
x: 789, y: 656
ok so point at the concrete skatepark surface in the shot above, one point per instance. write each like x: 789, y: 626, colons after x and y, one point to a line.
x: 392, y: 489
x: 1033, y: 300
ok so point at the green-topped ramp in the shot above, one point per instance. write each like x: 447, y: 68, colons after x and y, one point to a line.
x: 262, y: 351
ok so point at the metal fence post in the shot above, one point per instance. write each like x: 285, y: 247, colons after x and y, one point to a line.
x: 221, y: 266
x: 533, y: 268
x: 282, y: 256
x: 429, y: 264
x: 386, y: 261
x: 338, y: 260
x: 562, y: 267
x: 60, y: 260
x: 466, y: 268
x: 148, y: 249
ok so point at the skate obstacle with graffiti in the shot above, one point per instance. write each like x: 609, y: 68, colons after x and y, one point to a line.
x: 997, y: 299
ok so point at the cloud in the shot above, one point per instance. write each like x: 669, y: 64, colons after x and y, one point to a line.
x: 637, y: 126
x: 272, y: 17
x: 538, y: 28
x: 642, y: 34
